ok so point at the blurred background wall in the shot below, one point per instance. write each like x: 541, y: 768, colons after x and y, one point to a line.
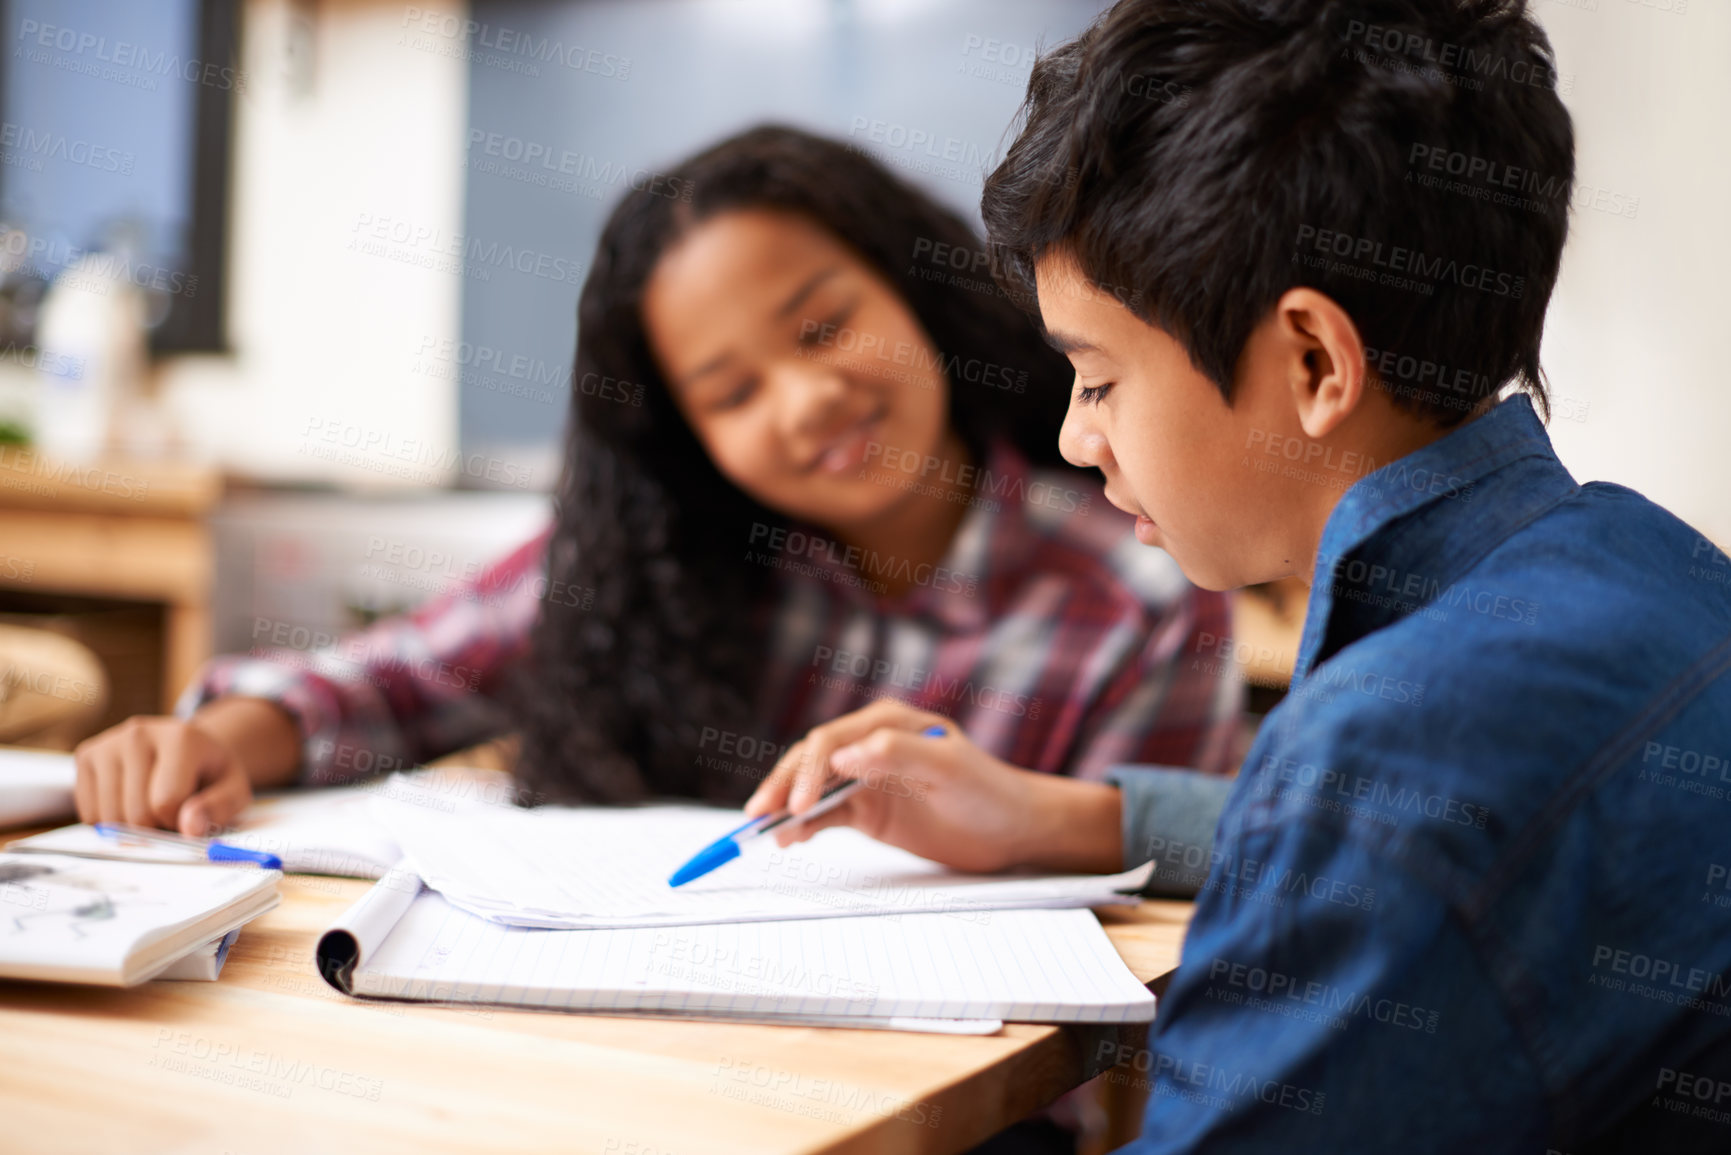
x: 1635, y: 333
x: 375, y: 137
x: 929, y: 87
x: 383, y: 208
x: 410, y: 194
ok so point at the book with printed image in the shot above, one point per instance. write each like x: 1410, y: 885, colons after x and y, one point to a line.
x: 88, y: 920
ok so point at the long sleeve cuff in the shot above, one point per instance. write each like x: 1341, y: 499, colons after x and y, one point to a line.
x: 1169, y: 817
x: 242, y: 676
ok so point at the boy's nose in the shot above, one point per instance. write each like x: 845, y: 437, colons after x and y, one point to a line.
x: 1079, y: 442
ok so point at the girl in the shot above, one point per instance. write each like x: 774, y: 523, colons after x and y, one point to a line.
x: 809, y: 464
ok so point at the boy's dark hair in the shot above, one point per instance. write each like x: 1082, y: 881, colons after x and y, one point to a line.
x: 1410, y: 158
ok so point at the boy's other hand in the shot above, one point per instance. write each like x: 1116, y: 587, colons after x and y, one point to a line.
x: 942, y: 798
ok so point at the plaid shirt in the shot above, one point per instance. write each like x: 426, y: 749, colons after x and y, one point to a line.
x: 1052, y: 637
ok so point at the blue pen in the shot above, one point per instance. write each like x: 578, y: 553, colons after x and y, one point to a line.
x: 213, y: 851
x: 726, y: 848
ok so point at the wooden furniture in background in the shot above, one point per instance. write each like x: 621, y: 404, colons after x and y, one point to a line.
x: 52, y: 689
x: 128, y: 531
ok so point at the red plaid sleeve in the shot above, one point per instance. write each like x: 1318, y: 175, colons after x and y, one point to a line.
x: 405, y: 689
x: 1169, y: 707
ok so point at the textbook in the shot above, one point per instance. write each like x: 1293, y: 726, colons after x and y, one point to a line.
x: 911, y: 972
x: 88, y: 920
x: 203, y: 964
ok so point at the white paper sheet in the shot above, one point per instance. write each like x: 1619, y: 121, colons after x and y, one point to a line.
x: 590, y: 868
x: 848, y: 1022
x: 35, y: 786
x: 336, y: 830
x: 329, y: 831
x: 1031, y: 965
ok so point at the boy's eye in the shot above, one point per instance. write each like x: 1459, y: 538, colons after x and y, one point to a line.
x: 1089, y: 394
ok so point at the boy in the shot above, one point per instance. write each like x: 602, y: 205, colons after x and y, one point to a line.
x: 1466, y: 891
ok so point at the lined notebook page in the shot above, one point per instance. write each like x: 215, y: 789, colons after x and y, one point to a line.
x: 1030, y: 965
x: 584, y: 868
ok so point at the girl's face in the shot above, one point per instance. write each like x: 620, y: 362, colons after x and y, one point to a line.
x: 805, y: 376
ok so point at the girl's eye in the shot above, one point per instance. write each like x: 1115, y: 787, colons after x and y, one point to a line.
x: 825, y: 332
x: 1089, y: 394
x: 738, y: 397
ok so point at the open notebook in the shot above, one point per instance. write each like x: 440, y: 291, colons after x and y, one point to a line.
x: 589, y: 868
x: 86, y: 920
x: 402, y: 941
x: 323, y: 831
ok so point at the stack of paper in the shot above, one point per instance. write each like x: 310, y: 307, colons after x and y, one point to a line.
x: 88, y: 920
x: 336, y: 830
x: 956, y: 973
x: 594, y: 868
x: 570, y: 908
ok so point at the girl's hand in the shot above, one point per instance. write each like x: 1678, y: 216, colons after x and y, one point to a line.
x: 164, y: 772
x: 193, y: 775
x: 942, y: 798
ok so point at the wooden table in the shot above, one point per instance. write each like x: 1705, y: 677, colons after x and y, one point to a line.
x: 269, y: 1058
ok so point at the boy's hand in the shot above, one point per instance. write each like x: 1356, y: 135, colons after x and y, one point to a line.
x: 165, y: 772
x: 942, y: 798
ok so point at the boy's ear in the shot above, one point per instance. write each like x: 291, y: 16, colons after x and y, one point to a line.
x: 1324, y: 356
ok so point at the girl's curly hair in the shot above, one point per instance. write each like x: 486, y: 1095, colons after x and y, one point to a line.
x: 615, y: 693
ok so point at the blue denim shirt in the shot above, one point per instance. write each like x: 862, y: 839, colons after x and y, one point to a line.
x: 1470, y: 890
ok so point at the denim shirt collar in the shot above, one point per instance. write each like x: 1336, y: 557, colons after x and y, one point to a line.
x: 1436, y: 511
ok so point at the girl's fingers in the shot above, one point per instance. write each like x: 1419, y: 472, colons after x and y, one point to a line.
x: 136, y: 754
x: 886, y: 751
x: 806, y: 767
x: 135, y: 797
x: 798, y: 766
x: 824, y: 741
x: 84, y: 786
x: 811, y: 772
x: 216, y: 806
x: 174, y: 779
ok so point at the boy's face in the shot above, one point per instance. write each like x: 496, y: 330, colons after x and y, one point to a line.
x: 1172, y: 451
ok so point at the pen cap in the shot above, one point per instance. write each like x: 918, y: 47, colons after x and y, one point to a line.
x: 222, y: 852
x: 707, y: 860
